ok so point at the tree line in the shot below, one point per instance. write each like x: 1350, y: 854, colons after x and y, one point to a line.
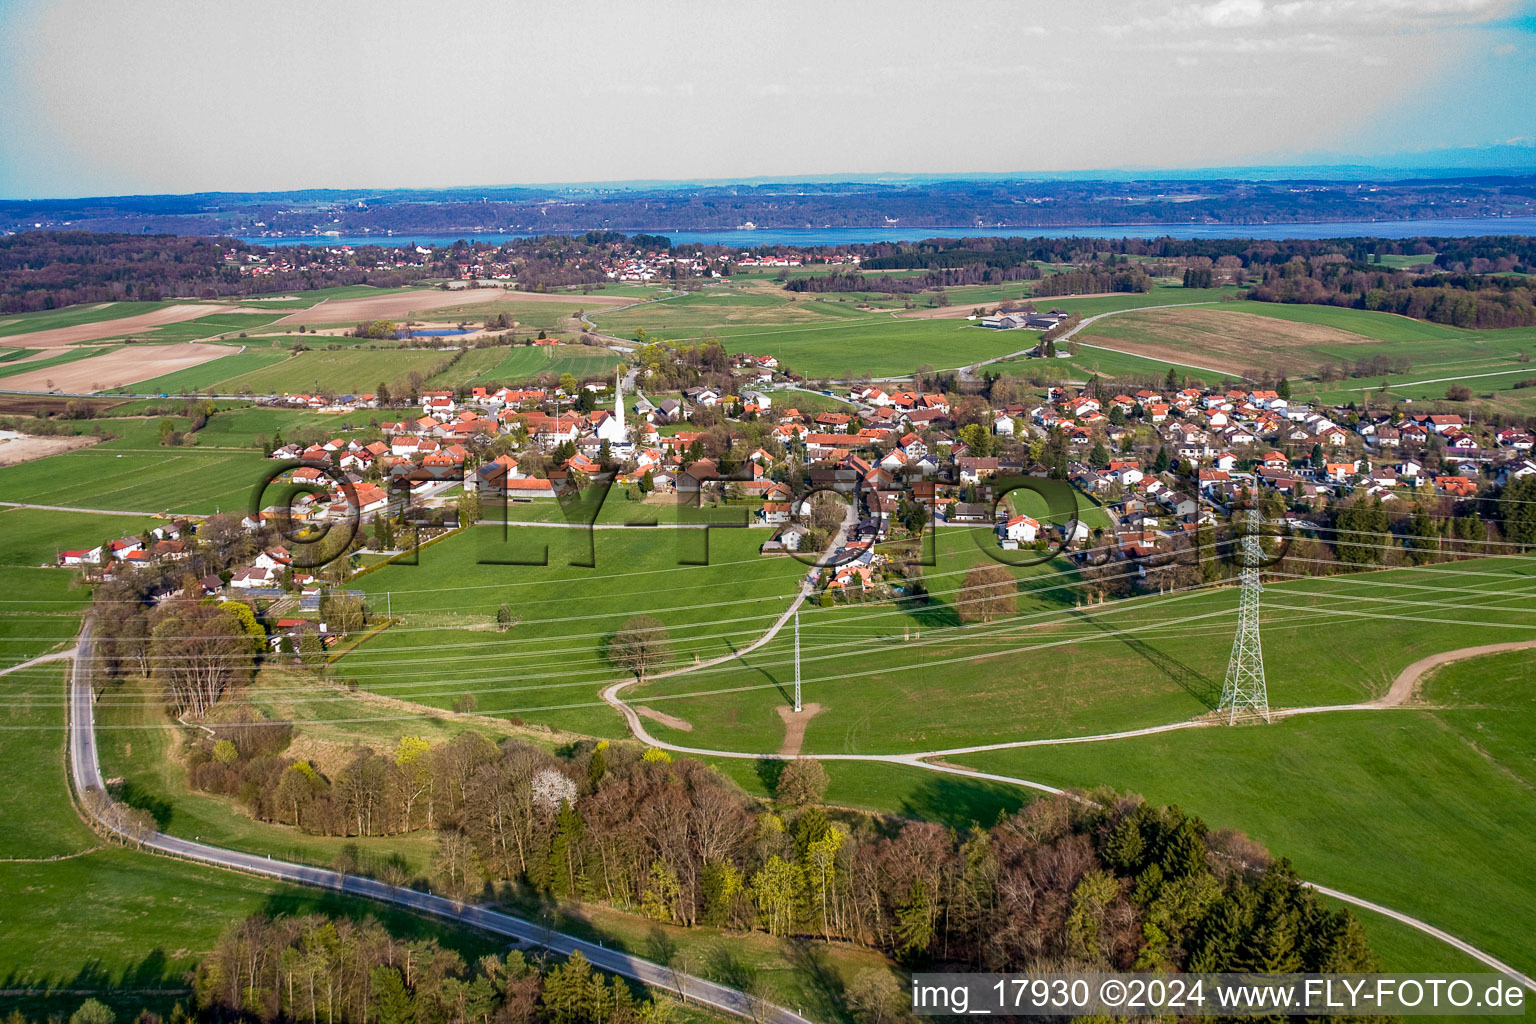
x: 339, y: 971
x: 1110, y: 881
x: 51, y: 269
x: 939, y: 278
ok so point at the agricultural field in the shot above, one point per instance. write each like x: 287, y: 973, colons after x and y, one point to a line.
x: 339, y: 370
x: 153, y: 481
x: 213, y: 326
x: 548, y: 666
x: 74, y: 316
x: 31, y: 366
x: 437, y: 304
x: 1296, y: 340
x: 1059, y: 670
x: 508, y: 365
x: 1442, y: 788
x: 208, y: 376
x: 112, y: 367
x: 830, y: 336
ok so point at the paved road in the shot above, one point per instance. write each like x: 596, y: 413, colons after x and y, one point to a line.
x: 1400, y: 691
x: 86, y: 771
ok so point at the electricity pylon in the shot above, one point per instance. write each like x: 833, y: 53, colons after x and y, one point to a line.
x: 797, y: 663
x: 1244, y: 690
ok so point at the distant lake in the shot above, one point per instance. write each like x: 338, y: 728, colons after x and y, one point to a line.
x: 435, y: 332
x: 1446, y: 228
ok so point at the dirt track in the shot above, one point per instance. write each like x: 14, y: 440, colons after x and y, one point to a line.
x: 1407, y: 680
x: 124, y: 366
x: 670, y: 721
x: 794, y: 726
x: 395, y: 306
x: 125, y: 327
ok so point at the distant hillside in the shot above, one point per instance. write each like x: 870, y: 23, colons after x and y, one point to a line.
x: 913, y: 203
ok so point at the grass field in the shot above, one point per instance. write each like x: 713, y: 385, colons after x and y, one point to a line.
x: 208, y: 376
x: 1427, y: 810
x: 342, y: 370
x: 547, y: 667
x: 483, y: 366
x: 150, y: 481
x: 1297, y: 340
x: 892, y: 680
x: 208, y: 327
x: 102, y: 918
x: 831, y: 336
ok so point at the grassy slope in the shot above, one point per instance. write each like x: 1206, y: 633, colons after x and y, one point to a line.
x: 829, y: 335
x: 1059, y: 671
x: 1428, y: 811
x: 340, y: 370
x: 488, y: 366
x: 547, y: 667
x: 207, y: 375
x: 151, y: 481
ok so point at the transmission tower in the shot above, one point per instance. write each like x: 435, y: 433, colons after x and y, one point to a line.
x: 1244, y: 691
x: 797, y: 663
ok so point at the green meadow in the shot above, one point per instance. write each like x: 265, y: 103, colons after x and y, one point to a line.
x: 338, y: 370
x: 149, y: 481
x: 1425, y: 809
x: 207, y: 376
x: 896, y: 679
x: 548, y: 666
x: 509, y: 365
x: 830, y: 335
x: 215, y: 325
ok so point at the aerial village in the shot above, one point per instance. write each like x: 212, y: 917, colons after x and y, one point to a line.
x: 1149, y: 465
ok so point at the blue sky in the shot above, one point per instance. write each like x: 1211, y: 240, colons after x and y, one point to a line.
x: 172, y: 96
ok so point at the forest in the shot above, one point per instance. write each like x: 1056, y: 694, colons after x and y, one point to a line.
x: 51, y: 269
x: 1106, y: 880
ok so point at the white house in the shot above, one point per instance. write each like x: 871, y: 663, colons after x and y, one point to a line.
x: 246, y: 579
x: 1021, y: 529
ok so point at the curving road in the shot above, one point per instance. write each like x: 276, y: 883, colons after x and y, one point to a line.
x: 85, y: 769
x: 1399, y: 693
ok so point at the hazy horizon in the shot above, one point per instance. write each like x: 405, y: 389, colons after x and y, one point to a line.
x: 177, y: 97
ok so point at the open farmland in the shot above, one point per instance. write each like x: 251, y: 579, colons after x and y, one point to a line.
x: 895, y: 679
x: 547, y: 668
x: 83, y: 315
x: 1297, y: 340
x: 338, y: 370
x: 208, y: 376
x: 133, y: 325
x: 214, y: 326
x: 831, y: 336
x: 1443, y: 790
x: 1219, y: 338
x: 113, y: 369
x: 509, y: 364
x: 150, y: 481
x: 434, y: 303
